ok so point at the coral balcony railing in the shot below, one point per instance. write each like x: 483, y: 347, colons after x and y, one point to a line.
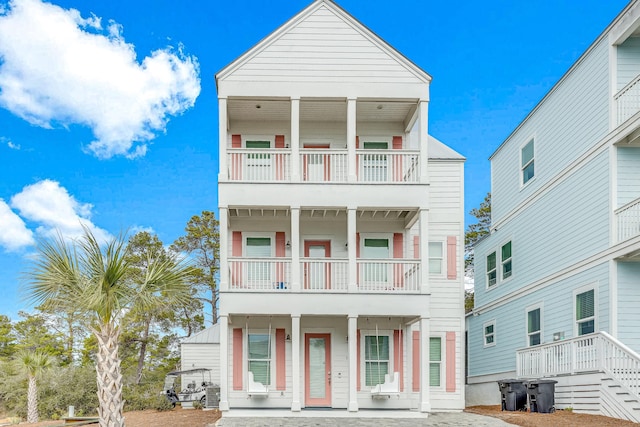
x: 628, y: 100
x: 628, y: 217
x: 594, y: 352
x: 259, y: 165
x: 259, y: 274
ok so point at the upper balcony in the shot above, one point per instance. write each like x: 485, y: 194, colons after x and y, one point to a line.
x: 627, y: 101
x: 323, y: 141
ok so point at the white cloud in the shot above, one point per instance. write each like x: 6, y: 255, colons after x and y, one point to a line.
x: 59, y: 69
x: 14, y: 234
x: 54, y: 209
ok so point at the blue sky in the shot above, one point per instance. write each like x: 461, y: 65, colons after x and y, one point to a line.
x: 77, y: 88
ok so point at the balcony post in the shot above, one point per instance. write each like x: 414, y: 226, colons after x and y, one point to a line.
x: 295, y: 249
x: 295, y: 363
x: 424, y: 251
x: 224, y: 255
x: 295, y: 139
x: 351, y: 250
x: 352, y: 338
x: 423, y: 139
x: 223, y: 175
x: 425, y: 399
x: 224, y: 358
x: 351, y: 140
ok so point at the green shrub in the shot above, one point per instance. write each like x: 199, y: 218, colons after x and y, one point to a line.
x: 163, y: 404
x: 142, y: 396
x: 197, y: 405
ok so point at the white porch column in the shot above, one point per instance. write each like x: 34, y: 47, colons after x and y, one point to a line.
x: 425, y: 400
x: 353, y: 362
x: 351, y: 249
x: 295, y: 139
x: 295, y: 363
x: 424, y: 251
x: 223, y: 175
x: 351, y: 139
x: 224, y: 362
x: 295, y: 249
x: 423, y: 138
x: 224, y: 236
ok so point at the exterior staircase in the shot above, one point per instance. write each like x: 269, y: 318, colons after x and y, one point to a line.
x: 596, y: 374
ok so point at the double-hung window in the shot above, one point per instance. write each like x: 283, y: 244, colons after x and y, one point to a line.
x: 435, y: 257
x: 435, y: 361
x: 259, y: 355
x: 376, y: 359
x: 375, y: 164
x: 527, y: 164
x: 506, y: 260
x: 534, y: 330
x: 491, y: 269
x: 258, y: 270
x: 585, y: 312
x: 489, y: 333
x: 259, y: 163
x: 376, y: 272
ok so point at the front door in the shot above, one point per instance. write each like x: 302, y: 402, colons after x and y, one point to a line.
x: 317, y: 363
x: 317, y: 273
x: 317, y: 167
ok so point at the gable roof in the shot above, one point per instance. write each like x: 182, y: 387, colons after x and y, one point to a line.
x: 439, y: 151
x: 210, y: 335
x: 321, y: 31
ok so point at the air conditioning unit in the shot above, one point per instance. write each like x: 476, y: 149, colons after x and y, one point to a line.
x: 213, y: 396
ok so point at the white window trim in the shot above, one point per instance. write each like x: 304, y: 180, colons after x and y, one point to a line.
x: 250, y: 137
x: 501, y: 262
x: 259, y: 234
x: 487, y: 271
x: 577, y: 292
x: 443, y: 349
x: 245, y: 355
x: 521, y: 168
x: 532, y: 307
x: 484, y: 335
x: 443, y: 260
x: 375, y: 138
x: 388, y: 236
x: 363, y: 365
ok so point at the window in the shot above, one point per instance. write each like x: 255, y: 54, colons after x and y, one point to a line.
x: 376, y: 359
x: 527, y: 162
x: 435, y: 257
x: 258, y: 247
x: 435, y: 361
x: 375, y: 165
x: 375, y: 249
x: 491, y: 269
x: 489, y: 333
x: 534, y: 333
x: 506, y: 260
x: 260, y: 358
x: 585, y: 312
x: 258, y: 164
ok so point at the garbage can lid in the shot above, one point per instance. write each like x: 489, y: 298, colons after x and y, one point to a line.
x: 511, y: 380
x: 542, y: 382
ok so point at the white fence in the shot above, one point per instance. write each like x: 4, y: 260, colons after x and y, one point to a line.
x: 259, y: 165
x: 259, y: 274
x: 325, y: 274
x: 387, y: 166
x: 388, y: 275
x: 628, y: 100
x: 628, y: 218
x: 594, y: 352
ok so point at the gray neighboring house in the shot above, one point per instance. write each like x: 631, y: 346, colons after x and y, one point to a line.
x: 201, y: 350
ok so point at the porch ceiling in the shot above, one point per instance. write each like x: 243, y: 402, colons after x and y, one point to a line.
x: 325, y: 110
x: 322, y: 212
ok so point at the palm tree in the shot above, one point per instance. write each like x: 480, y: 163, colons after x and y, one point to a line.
x: 95, y: 281
x: 33, y: 362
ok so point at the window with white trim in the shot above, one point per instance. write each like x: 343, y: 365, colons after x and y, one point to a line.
x: 259, y: 357
x: 489, y: 329
x: 376, y: 358
x: 534, y: 326
x: 435, y: 361
x: 585, y: 312
x: 491, y: 269
x: 507, y: 267
x: 258, y: 247
x: 375, y: 164
x: 527, y: 163
x: 436, y: 257
x: 375, y: 272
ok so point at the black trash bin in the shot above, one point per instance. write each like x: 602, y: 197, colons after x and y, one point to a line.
x: 514, y: 395
x: 541, y: 396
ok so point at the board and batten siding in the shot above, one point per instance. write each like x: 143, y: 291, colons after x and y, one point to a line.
x: 200, y: 356
x: 567, y: 124
x: 628, y: 174
x: 566, y: 225
x: 628, y: 61
x: 557, y: 316
x: 323, y: 47
x: 628, y: 303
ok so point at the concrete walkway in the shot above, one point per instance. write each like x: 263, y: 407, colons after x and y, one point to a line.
x: 259, y: 418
